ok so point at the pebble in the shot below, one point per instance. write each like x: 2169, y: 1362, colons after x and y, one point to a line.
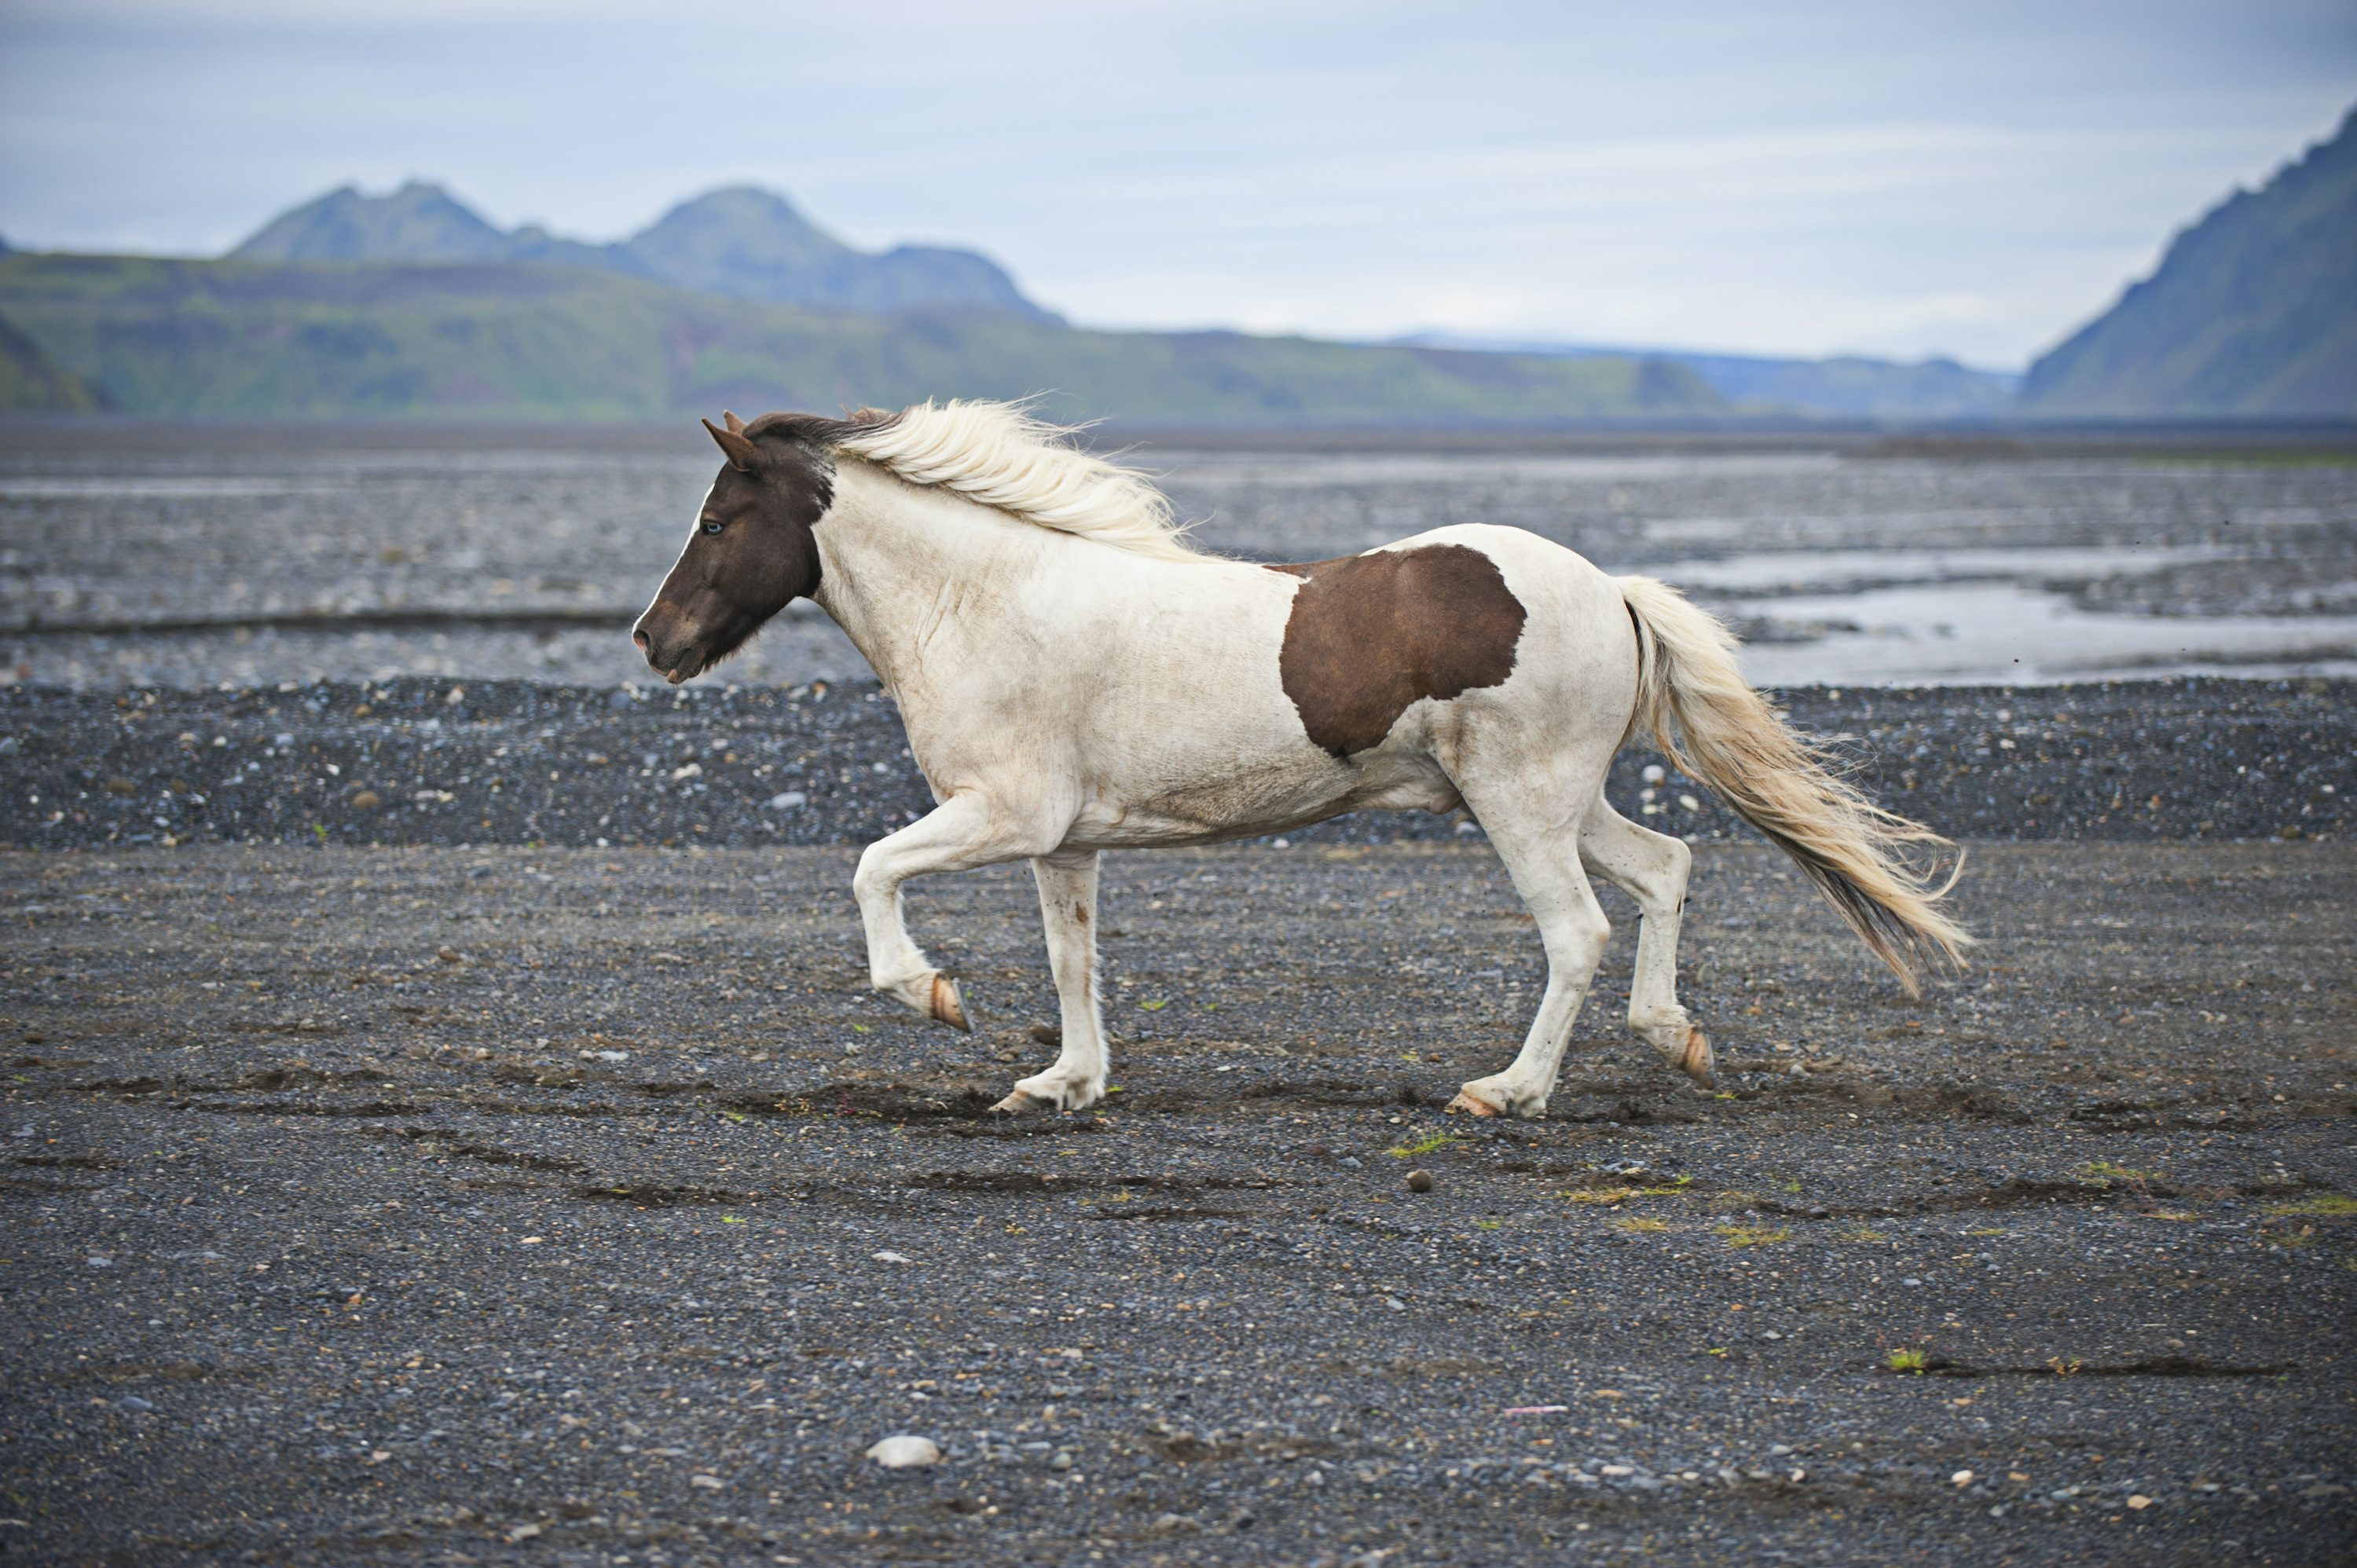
x: 1419, y: 1181
x: 892, y: 1257
x: 135, y: 1404
x: 900, y: 1451
x: 1961, y: 1478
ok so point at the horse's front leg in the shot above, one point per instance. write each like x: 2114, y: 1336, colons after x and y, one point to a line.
x: 961, y: 833
x: 1068, y: 908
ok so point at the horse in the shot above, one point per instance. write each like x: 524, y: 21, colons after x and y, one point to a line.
x: 1075, y: 677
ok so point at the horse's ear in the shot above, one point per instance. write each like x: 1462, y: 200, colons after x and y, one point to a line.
x: 742, y: 454
x: 736, y: 425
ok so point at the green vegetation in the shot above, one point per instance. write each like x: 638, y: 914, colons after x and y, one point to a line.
x: 1421, y: 1146
x: 2332, y: 1203
x: 253, y: 339
x: 2252, y: 311
x: 1754, y: 1235
x: 1908, y: 1361
x: 31, y: 382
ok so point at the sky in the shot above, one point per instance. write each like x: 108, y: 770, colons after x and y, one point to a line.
x: 1970, y: 179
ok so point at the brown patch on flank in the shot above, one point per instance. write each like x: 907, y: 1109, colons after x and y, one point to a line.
x: 1370, y: 634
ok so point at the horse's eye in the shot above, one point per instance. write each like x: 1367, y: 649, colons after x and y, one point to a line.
x: 711, y: 527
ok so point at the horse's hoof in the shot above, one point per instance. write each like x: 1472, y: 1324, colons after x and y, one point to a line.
x: 1016, y: 1104
x: 948, y: 1006
x: 1465, y: 1102
x: 1694, y: 1059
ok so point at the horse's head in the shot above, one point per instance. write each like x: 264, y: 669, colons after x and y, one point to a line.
x: 752, y: 552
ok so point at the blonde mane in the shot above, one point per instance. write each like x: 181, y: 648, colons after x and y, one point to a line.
x: 997, y: 454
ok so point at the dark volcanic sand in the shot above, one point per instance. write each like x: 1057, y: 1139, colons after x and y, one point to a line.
x: 424, y: 762
x: 571, y: 1246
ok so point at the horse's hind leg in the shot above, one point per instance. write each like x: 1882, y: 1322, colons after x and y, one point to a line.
x: 1068, y: 908
x: 1543, y: 857
x: 1652, y: 868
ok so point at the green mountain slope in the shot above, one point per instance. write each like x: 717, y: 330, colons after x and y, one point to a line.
x: 31, y: 382
x: 2252, y: 311
x: 253, y: 339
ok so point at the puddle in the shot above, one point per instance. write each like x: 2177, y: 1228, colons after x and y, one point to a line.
x: 2004, y: 633
x: 1785, y: 569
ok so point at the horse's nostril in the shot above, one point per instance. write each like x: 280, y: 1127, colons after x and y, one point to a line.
x: 640, y: 639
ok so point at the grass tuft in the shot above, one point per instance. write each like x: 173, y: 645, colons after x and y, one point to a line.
x: 2329, y: 1203
x: 1421, y: 1146
x: 1753, y: 1235
x: 1908, y: 1361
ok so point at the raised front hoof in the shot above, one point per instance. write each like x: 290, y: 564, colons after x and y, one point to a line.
x: 948, y: 1006
x: 1695, y: 1060
x: 1685, y: 1047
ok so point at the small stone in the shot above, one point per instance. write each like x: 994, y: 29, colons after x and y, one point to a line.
x: 709, y: 1483
x: 1062, y: 1461
x: 1419, y: 1181
x: 367, y: 800
x: 134, y: 1403
x: 449, y: 955
x: 900, y: 1451
x: 1350, y: 1161
x: 892, y: 1257
x: 1652, y: 773
x: 523, y: 1532
x: 1961, y: 1478
x: 100, y: 1263
x: 788, y: 800
x: 2139, y: 1501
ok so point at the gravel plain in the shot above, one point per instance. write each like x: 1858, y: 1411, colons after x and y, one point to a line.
x: 444, y: 1120
x: 416, y: 761
x: 513, y: 1205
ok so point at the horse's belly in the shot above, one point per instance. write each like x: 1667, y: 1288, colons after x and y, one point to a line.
x: 1307, y: 786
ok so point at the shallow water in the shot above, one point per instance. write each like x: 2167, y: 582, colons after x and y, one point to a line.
x: 1841, y: 569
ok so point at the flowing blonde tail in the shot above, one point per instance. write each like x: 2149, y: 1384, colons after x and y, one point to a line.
x: 1781, y: 783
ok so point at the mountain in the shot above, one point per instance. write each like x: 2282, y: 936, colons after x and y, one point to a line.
x: 2251, y: 312
x: 538, y: 340
x: 740, y: 241
x: 416, y: 224
x: 32, y: 383
x: 1847, y: 387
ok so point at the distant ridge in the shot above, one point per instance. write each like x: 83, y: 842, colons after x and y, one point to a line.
x: 739, y: 241
x: 32, y: 383
x: 1847, y: 386
x: 2252, y: 311
x: 246, y: 338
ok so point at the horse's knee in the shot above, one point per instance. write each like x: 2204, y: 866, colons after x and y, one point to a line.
x: 871, y: 881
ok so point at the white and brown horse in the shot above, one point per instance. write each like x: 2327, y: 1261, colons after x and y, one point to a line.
x: 1074, y: 678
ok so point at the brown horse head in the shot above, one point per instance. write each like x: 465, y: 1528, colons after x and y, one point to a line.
x: 754, y: 550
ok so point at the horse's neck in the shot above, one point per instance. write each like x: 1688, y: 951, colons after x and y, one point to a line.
x: 897, y: 560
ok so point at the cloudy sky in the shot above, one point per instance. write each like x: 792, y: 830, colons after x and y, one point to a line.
x: 1973, y: 179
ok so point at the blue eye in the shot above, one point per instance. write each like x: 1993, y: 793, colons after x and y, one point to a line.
x: 711, y: 528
